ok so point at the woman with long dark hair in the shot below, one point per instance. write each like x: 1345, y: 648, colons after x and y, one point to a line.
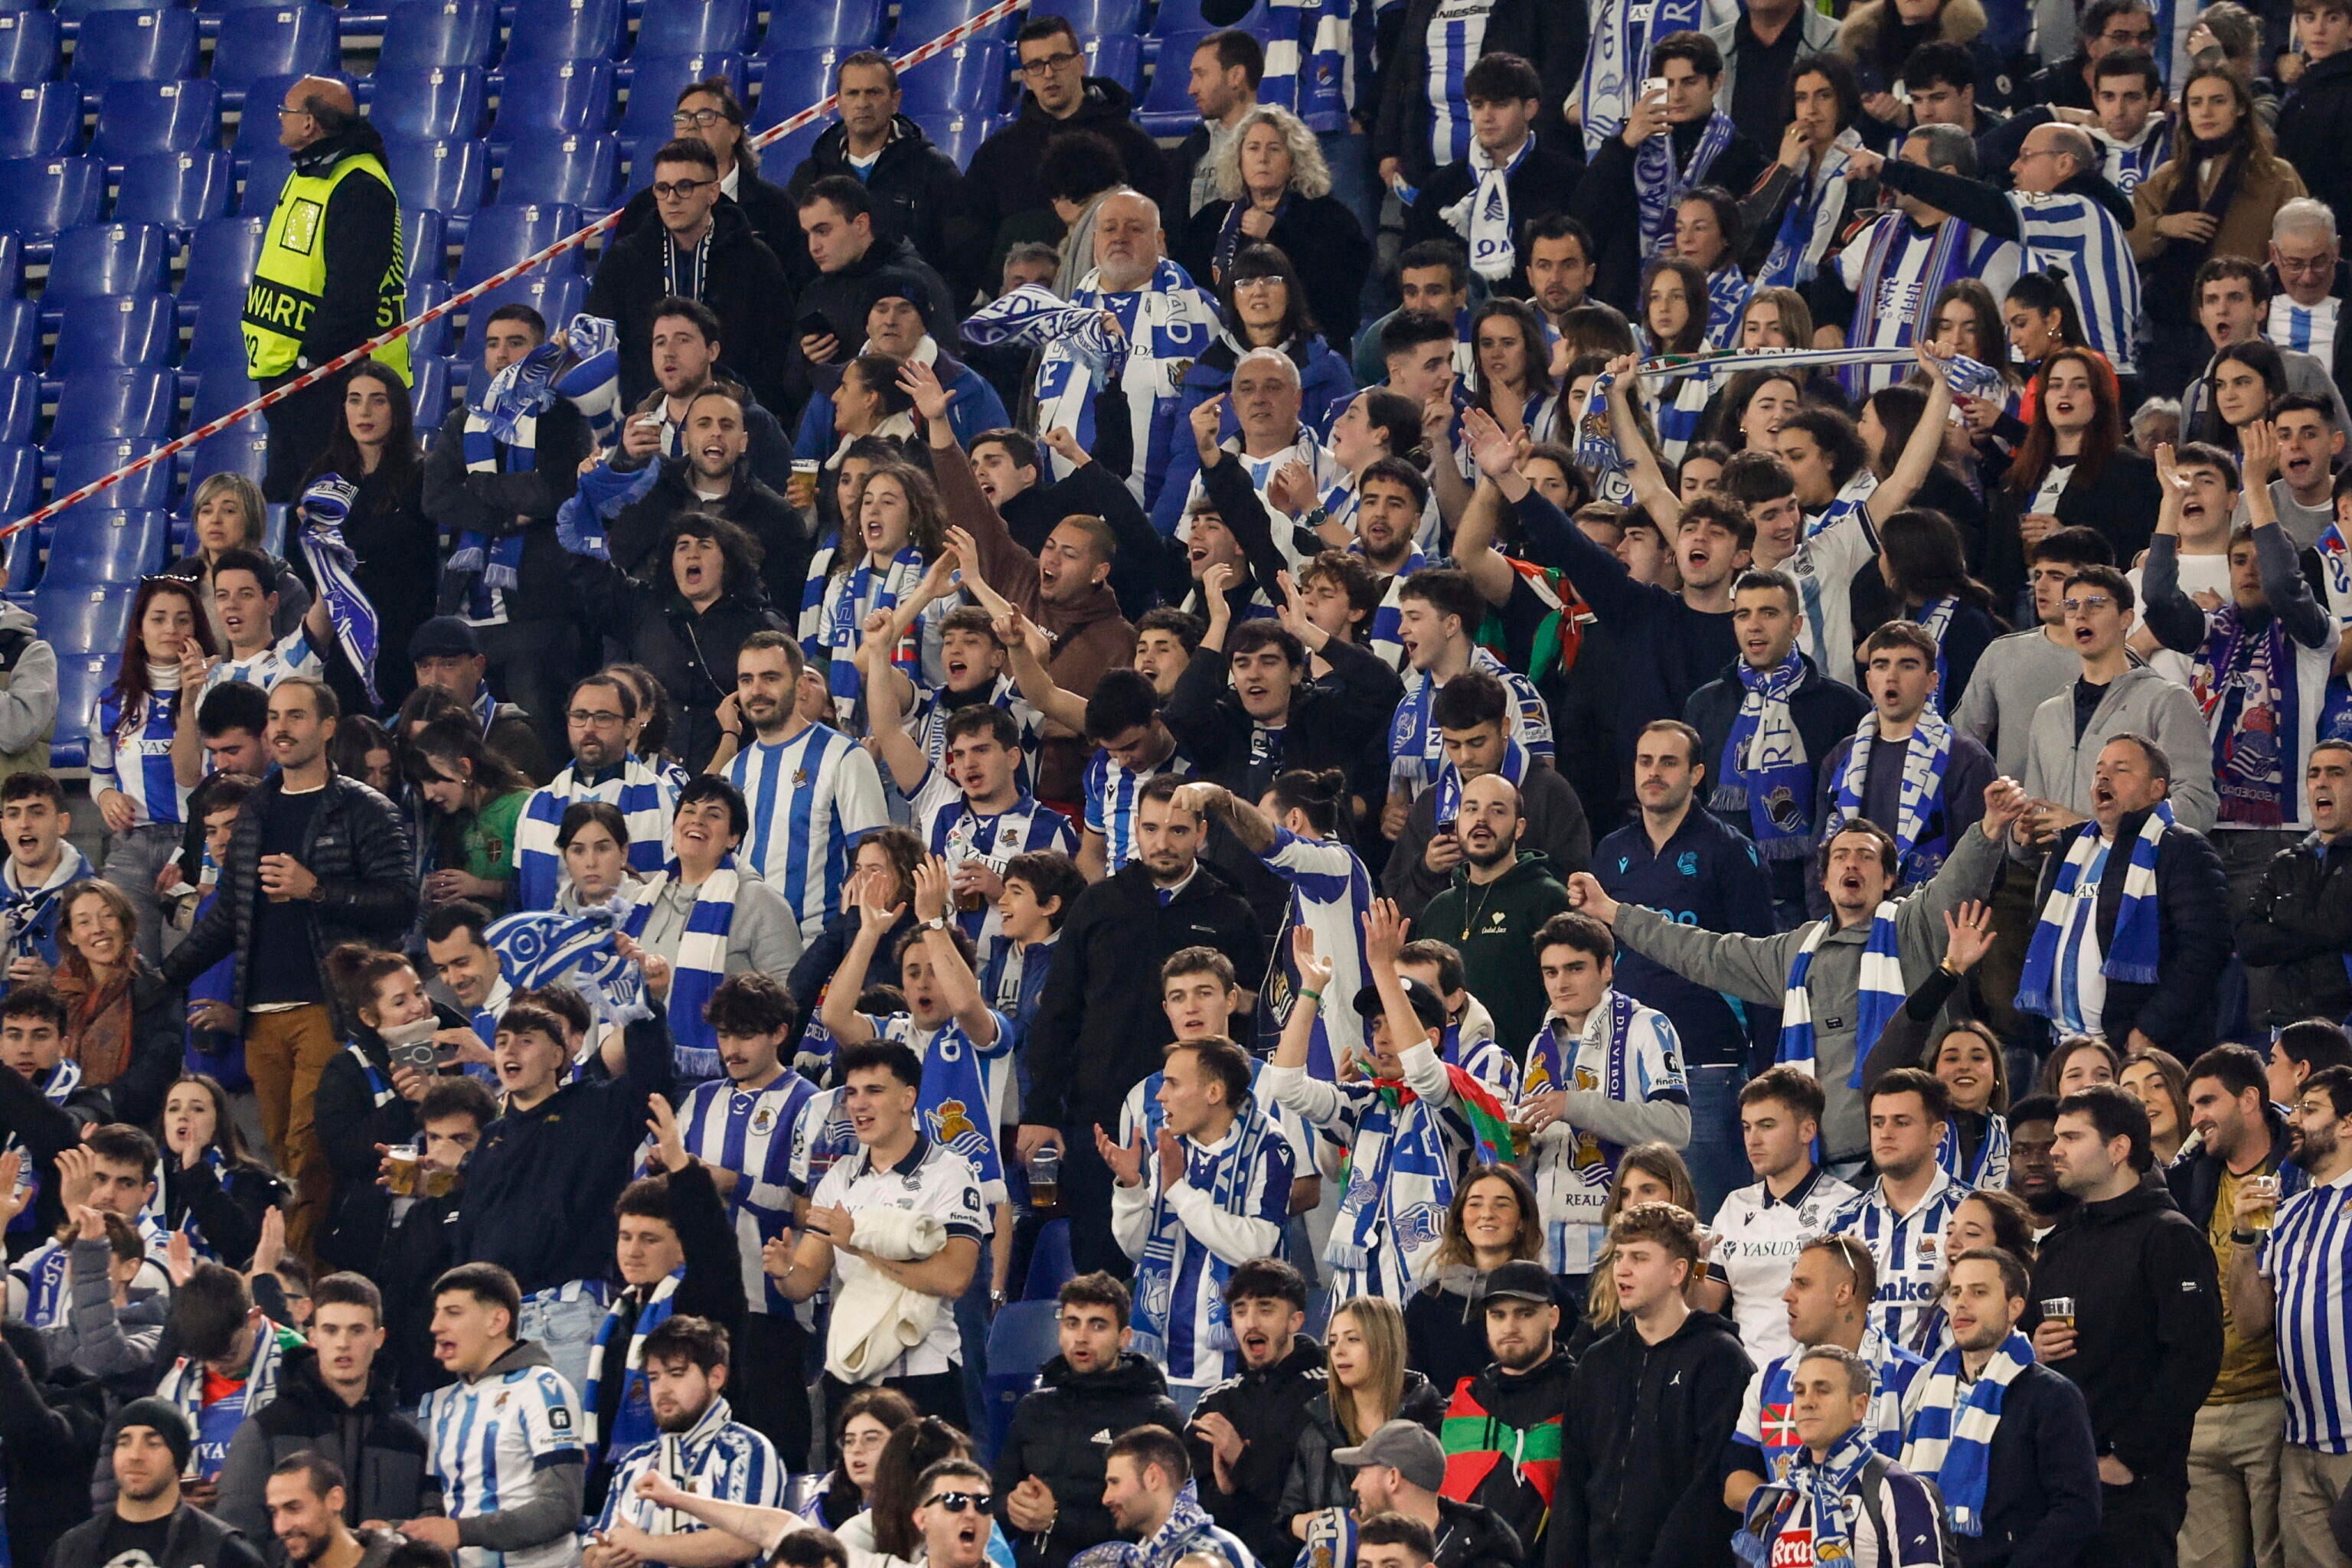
x: 138, y: 724
x: 2244, y: 379
x: 374, y: 448
x: 363, y: 749
x: 124, y: 1025
x: 2072, y: 470
x: 1924, y: 563
x: 476, y: 798
x: 1510, y: 371
x: 879, y: 561
x: 212, y: 1189
x: 1674, y: 321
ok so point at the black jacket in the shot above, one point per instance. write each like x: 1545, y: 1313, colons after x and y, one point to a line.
x: 1269, y: 1410
x: 763, y: 204
x: 1333, y: 723
x: 540, y: 1188
x: 2299, y: 927
x: 522, y: 500
x: 2314, y: 125
x: 361, y: 234
x: 1544, y: 183
x: 1316, y: 1480
x: 2041, y: 1487
x: 1099, y: 1029
x: 916, y: 191
x: 1472, y: 1536
x: 399, y: 564
x: 1605, y: 201
x: 43, y: 1131
x: 845, y: 298
x: 350, y: 1116
x: 1826, y: 712
x: 2194, y: 1179
x: 196, y: 1539
x: 1550, y: 37
x: 1004, y: 202
x: 1640, y: 1481
x: 1058, y: 1436
x: 744, y: 283
x: 387, y: 1469
x: 691, y: 651
x: 51, y: 1424
x: 2192, y: 939
x: 1514, y: 1405
x: 2148, y: 1309
x: 356, y: 846
x: 1324, y: 241
x: 638, y: 534
x: 227, y: 1207
x: 2119, y: 502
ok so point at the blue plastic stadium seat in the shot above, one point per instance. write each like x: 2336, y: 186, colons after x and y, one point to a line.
x: 557, y: 297
x: 1120, y: 58
x: 80, y: 679
x: 846, y: 24
x: 99, y: 549
x: 118, y: 405
x: 78, y: 463
x: 430, y: 103
x: 1022, y: 1338
x: 177, y: 190
x: 424, y: 244
x: 969, y: 78
x: 12, y: 266
x: 561, y: 98
x: 134, y: 46
x: 262, y: 171
x: 95, y: 333
x: 1166, y: 110
x: 957, y: 135
x: 20, y: 479
x: 73, y: 11
x: 419, y: 34
x: 87, y: 619
x: 20, y: 333
x: 920, y: 21
x: 695, y: 26
x: 430, y: 396
x: 503, y: 236
x: 262, y: 42
x: 28, y: 47
x: 39, y: 197
x: 433, y: 337
x: 786, y: 153
x: 564, y: 30
x: 141, y: 117
x: 221, y: 256
x: 653, y: 84
x: 1177, y: 16
x: 40, y: 119
x: 107, y: 259
x: 1102, y: 18
x: 218, y: 340
x: 584, y: 170
x: 20, y: 405
x: 796, y: 77
x: 222, y: 390
x: 230, y: 452
x: 446, y: 177
x: 1050, y: 1267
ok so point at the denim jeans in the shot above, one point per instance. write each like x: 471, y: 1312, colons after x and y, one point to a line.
x: 565, y: 1329
x: 1718, y: 1155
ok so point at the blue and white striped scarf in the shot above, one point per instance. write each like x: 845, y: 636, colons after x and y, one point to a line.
x: 1991, y: 1167
x: 1400, y: 1179
x: 1822, y: 1485
x: 847, y: 597
x: 633, y: 1422
x: 335, y: 564
x: 1622, y: 33
x: 1809, y: 227
x: 1659, y: 185
x: 2133, y: 954
x: 1227, y: 1185
x: 538, y: 865
x: 1935, y: 618
x: 546, y: 947
x: 604, y: 492
x: 1331, y: 1541
x: 1924, y: 757
x: 183, y: 1385
x: 1876, y: 999
x: 699, y: 967
x: 1764, y: 771
x: 1448, y: 805
x: 1034, y: 316
x: 1949, y: 1428
x: 1727, y: 296
x: 1482, y: 216
x: 28, y: 916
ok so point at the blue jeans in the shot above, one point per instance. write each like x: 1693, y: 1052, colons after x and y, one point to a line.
x: 1718, y: 1155
x: 565, y: 1330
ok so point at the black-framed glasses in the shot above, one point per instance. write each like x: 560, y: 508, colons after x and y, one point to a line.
x: 665, y: 189
x: 1046, y: 64
x: 956, y: 1502
x: 599, y: 716
x: 700, y: 119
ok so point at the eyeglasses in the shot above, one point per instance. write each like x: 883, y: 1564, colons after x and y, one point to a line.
x: 2306, y: 266
x: 1048, y: 64
x: 665, y: 189
x: 956, y: 1502
x: 598, y: 716
x: 2132, y: 37
x: 283, y: 110
x: 2086, y: 606
x: 700, y: 119
x: 1252, y: 285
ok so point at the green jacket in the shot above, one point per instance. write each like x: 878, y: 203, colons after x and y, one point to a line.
x: 1494, y: 927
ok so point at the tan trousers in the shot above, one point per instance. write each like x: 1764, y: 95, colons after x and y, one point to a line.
x: 2233, y: 1486
x: 285, y: 1053
x: 2309, y: 1484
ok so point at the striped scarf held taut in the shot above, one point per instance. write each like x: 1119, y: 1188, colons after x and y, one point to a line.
x: 1878, y: 996
x: 2243, y: 678
x: 1660, y: 184
x: 335, y: 564
x: 847, y: 597
x: 1949, y: 1424
x: 1764, y: 771
x: 2132, y: 954
x: 1226, y: 1182
x: 1809, y: 226
x: 699, y: 967
x: 632, y: 1422
x: 1926, y: 756
x: 1820, y: 1485
x: 641, y: 797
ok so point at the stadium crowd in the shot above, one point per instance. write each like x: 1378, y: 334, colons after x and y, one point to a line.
x: 1179, y: 855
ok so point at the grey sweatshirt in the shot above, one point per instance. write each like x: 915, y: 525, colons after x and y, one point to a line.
x: 1756, y: 969
x: 764, y: 936
x: 2015, y: 676
x: 28, y: 699
x: 2139, y: 701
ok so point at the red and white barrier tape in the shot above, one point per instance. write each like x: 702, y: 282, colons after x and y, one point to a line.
x: 945, y: 41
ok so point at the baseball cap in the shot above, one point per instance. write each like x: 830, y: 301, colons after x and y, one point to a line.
x: 1427, y: 1005
x: 1405, y: 1447
x: 1520, y: 1281
x: 444, y: 637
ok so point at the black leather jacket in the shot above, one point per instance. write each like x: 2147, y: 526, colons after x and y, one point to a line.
x: 358, y: 849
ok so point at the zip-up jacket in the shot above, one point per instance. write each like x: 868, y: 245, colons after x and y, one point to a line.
x: 1269, y: 1410
x: 2299, y: 927
x: 1502, y: 1437
x: 379, y: 1451
x: 917, y: 190
x: 194, y: 1539
x: 2192, y: 937
x: 1316, y: 1480
x: 1061, y: 1433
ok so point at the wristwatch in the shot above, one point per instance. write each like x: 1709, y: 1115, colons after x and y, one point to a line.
x: 937, y: 922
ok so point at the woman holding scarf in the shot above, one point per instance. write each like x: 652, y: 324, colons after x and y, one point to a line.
x: 881, y: 559
x: 212, y: 1189
x: 375, y: 446
x: 2214, y: 197
x: 1275, y: 189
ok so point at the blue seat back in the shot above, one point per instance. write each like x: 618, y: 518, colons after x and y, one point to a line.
x: 797, y: 77
x: 88, y: 618
x: 134, y: 46
x: 20, y: 479
x: 221, y: 257
x: 430, y: 396
x: 957, y: 135
x: 264, y: 41
x: 1166, y: 108
x: 920, y: 21
x: 970, y: 78
x: 20, y: 333
x: 654, y: 82
x: 562, y: 97
x: 584, y: 170
x: 230, y: 452
x: 1102, y: 18
x: 28, y: 47
x: 429, y: 103
x: 39, y: 197
x: 557, y: 297
x: 564, y: 30
x: 107, y: 259
x: 20, y: 405
x: 1050, y: 1267
x: 177, y: 190
x: 846, y: 24
x: 694, y: 26
x: 141, y: 117
x: 1176, y: 16
x: 1024, y: 1336
x: 787, y: 151
x: 423, y: 35
x: 1120, y: 57
x: 217, y: 342
x: 433, y: 337
x: 446, y: 177
x: 424, y: 244
x: 75, y: 11
x: 223, y: 389
x: 40, y: 119
x: 503, y: 236
x: 263, y: 168
x: 99, y: 549
x: 81, y: 678
x: 118, y: 405
x: 98, y: 333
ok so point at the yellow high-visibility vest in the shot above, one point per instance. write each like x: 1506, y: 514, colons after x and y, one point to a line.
x: 292, y: 274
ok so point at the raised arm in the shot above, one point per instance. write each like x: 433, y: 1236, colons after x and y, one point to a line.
x: 1650, y: 487
x: 1026, y: 648
x: 958, y: 987
x: 1248, y: 823
x: 886, y: 695
x: 838, y: 1013
x: 2284, y: 588
x: 1921, y: 451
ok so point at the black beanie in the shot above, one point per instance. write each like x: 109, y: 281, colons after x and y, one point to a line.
x: 164, y: 1418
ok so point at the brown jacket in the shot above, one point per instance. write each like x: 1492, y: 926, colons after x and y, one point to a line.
x: 1089, y: 636
x: 2245, y: 228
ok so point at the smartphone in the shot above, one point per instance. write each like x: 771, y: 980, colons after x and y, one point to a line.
x: 419, y: 1056
x: 814, y: 325
x: 1654, y: 86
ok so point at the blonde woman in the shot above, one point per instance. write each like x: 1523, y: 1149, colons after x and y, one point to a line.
x: 1369, y: 1386
x: 226, y: 513
x: 1274, y: 188
x: 1647, y: 1173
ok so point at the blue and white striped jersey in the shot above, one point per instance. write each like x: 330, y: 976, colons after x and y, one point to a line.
x: 927, y: 726
x: 2079, y: 234
x: 718, y: 1458
x: 2307, y: 1256
x: 1766, y: 1428
x: 289, y: 655
x: 1908, y: 1249
x: 957, y: 833
x: 2309, y: 329
x: 811, y: 798
x: 1330, y: 893
x: 1112, y: 790
x: 754, y: 1133
x: 1416, y: 748
x: 1457, y: 37
x: 132, y: 753
x: 490, y: 1442
x: 1186, y: 1243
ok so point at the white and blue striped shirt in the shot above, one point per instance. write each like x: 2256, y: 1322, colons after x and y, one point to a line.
x: 2306, y: 1255
x: 957, y: 833
x: 1908, y: 1249
x: 2079, y: 234
x: 1187, y: 1292
x: 1112, y: 791
x: 811, y: 798
x: 1457, y: 37
x: 718, y: 1458
x: 132, y: 753
x: 289, y: 655
x: 490, y: 1442
x: 754, y: 1133
x: 2307, y: 329
x: 1330, y: 893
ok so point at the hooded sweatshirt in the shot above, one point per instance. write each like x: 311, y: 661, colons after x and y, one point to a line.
x: 28, y: 691
x: 1061, y: 1434
x: 2060, y: 762
x: 1502, y: 1437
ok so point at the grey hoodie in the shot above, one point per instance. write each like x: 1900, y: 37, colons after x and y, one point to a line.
x: 28, y: 688
x: 2139, y: 701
